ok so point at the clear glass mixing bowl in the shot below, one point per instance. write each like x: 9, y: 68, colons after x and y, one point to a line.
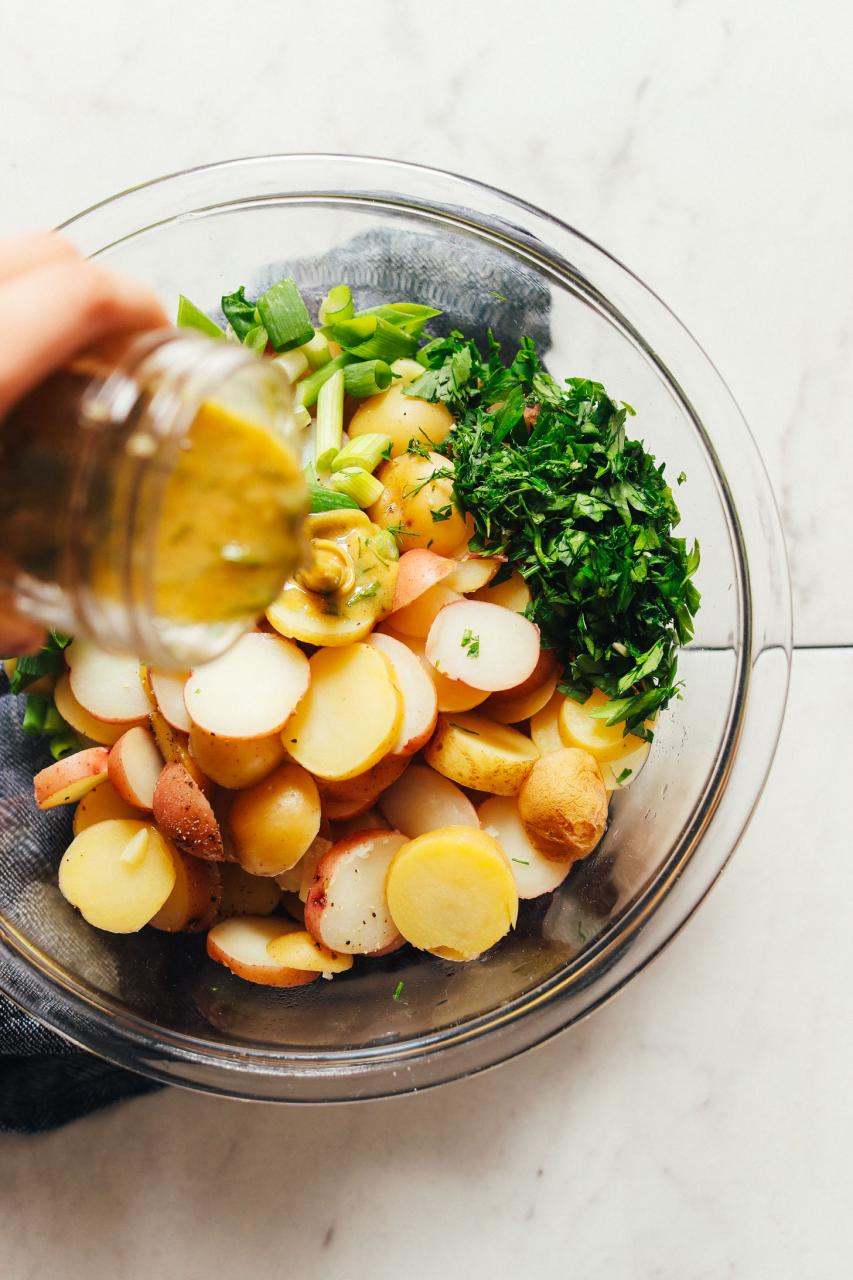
x: 154, y: 1002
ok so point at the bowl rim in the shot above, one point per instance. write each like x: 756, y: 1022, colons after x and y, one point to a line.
x: 94, y: 1022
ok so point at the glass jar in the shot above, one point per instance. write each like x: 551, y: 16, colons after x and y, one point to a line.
x: 150, y: 496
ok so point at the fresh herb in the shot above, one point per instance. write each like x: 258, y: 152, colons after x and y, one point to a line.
x: 522, y: 862
x: 580, y: 510
x: 441, y: 513
x: 470, y: 643
x: 398, y: 990
x: 241, y: 314
x: 624, y: 775
x: 364, y: 593
x: 48, y: 661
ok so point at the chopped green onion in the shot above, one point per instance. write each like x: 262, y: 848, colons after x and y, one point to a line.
x: 35, y: 712
x: 406, y: 371
x: 308, y: 389
x: 32, y: 666
x: 398, y: 990
x: 64, y: 744
x: 256, y: 339
x: 365, y: 451
x: 337, y: 305
x: 330, y: 421
x: 367, y: 377
x: 317, y: 351
x: 408, y: 316
x: 323, y: 499
x: 58, y: 639
x: 53, y: 722
x: 294, y: 363
x: 241, y: 314
x: 192, y: 317
x: 385, y: 545
x: 301, y: 416
x: 371, y: 338
x: 285, y: 316
x: 358, y: 484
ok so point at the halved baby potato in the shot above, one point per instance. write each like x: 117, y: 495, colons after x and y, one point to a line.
x: 271, y: 675
x: 168, y: 690
x: 415, y: 490
x: 403, y: 418
x: 273, y: 823
x: 417, y: 571
x: 101, y: 731
x: 107, y: 685
x: 134, y: 765
x: 513, y: 710
x: 578, y: 728
x: 420, y: 703
x: 485, y: 645
x: 351, y: 715
x: 354, y: 796
x: 241, y: 944
x: 451, y: 892
x: 69, y: 780
x: 102, y: 802
x: 472, y: 573
x: 563, y: 804
x: 118, y: 874
x: 545, y: 725
x: 423, y: 800
x: 183, y: 813
x: 513, y: 593
x: 235, y: 763
x: 192, y: 905
x: 346, y: 909
x: 244, y: 894
x: 482, y: 755
x: 416, y: 619
x: 299, y: 950
x: 533, y: 872
x: 451, y: 695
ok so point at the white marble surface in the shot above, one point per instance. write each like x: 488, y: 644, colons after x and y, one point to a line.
x: 700, y: 1125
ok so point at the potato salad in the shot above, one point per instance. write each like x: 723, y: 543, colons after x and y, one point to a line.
x: 428, y: 724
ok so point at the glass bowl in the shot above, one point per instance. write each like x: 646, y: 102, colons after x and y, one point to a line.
x: 154, y: 1002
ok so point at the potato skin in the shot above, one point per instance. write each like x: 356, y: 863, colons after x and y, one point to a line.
x: 233, y: 762
x: 411, y: 495
x: 401, y: 417
x: 563, y: 804
x: 273, y: 823
x: 183, y: 813
x: 460, y: 749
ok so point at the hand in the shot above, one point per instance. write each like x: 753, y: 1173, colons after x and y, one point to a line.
x: 54, y: 304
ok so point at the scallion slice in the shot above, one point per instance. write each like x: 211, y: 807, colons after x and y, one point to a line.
x: 409, y: 316
x: 323, y: 499
x: 357, y: 484
x: 192, y: 317
x: 35, y: 713
x: 285, y: 316
x: 64, y: 744
x: 256, y: 339
x: 364, y: 452
x: 302, y: 416
x: 367, y: 377
x: 239, y: 312
x: 371, y: 338
x: 309, y: 388
x: 337, y: 305
x: 317, y: 351
x: 294, y: 363
x: 330, y: 421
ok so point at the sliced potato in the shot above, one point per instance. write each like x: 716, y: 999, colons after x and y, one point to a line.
x: 403, y: 418
x: 118, y: 874
x: 134, y: 765
x: 451, y: 695
x: 347, y: 909
x: 370, y: 820
x: 420, y: 702
x: 423, y: 800
x: 563, y: 804
x: 273, y: 823
x: 533, y: 872
x: 299, y: 950
x: 69, y: 780
x: 482, y: 755
x: 192, y: 905
x: 174, y: 748
x: 308, y: 865
x: 417, y: 571
x: 79, y: 718
x: 236, y: 762
x: 102, y: 802
x: 246, y: 895
x: 514, y: 710
x: 546, y: 666
x: 296, y: 614
x: 348, y: 799
x: 241, y: 945
x: 168, y: 689
x: 417, y: 618
x: 545, y: 725
x: 452, y: 892
x: 472, y: 573
x: 513, y: 593
x: 623, y: 770
x: 183, y: 813
x: 351, y: 715
x: 484, y: 645
x: 107, y: 685
x: 271, y: 675
x: 414, y: 489
x: 578, y: 728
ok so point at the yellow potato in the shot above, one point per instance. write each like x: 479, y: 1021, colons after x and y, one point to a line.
x: 246, y: 895
x: 101, y: 803
x: 514, y: 710
x: 514, y: 593
x: 579, y: 729
x: 416, y: 487
x: 298, y: 950
x: 118, y: 874
x: 236, y: 762
x: 193, y: 903
x: 563, y: 804
x: 273, y: 823
x: 350, y: 716
x: 296, y: 613
x: 482, y: 755
x: 402, y: 417
x: 545, y: 726
x: 79, y: 718
x: 415, y: 619
x: 452, y: 892
x: 451, y: 695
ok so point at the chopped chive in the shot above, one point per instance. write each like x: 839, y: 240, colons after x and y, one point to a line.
x: 323, y: 499
x: 358, y: 484
x: 309, y: 388
x: 364, y: 593
x: 330, y: 421
x: 470, y: 643
x: 317, y: 351
x: 367, y: 377
x: 192, y: 317
x: 522, y: 862
x: 337, y: 305
x: 285, y: 316
x: 294, y: 363
x: 365, y: 452
x: 398, y: 990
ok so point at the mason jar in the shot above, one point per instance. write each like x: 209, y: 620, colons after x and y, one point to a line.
x: 151, y: 497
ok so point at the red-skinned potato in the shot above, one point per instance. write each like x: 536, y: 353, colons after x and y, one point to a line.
x: 484, y: 645
x: 134, y: 766
x: 472, y: 573
x: 174, y: 748
x: 420, y: 701
x: 271, y: 675
x: 68, y: 780
x: 424, y: 800
x: 241, y: 945
x: 107, y: 685
x: 275, y: 822
x: 192, y: 905
x: 168, y: 690
x: 183, y: 813
x: 354, y: 796
x: 546, y: 667
x: 417, y: 571
x: 244, y: 894
x: 514, y: 710
x: 99, y: 804
x: 79, y: 718
x: 347, y: 910
x: 235, y: 763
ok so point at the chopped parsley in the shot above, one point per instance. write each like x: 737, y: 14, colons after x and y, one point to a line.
x: 624, y: 775
x: 582, y: 511
x: 470, y: 643
x: 398, y: 990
